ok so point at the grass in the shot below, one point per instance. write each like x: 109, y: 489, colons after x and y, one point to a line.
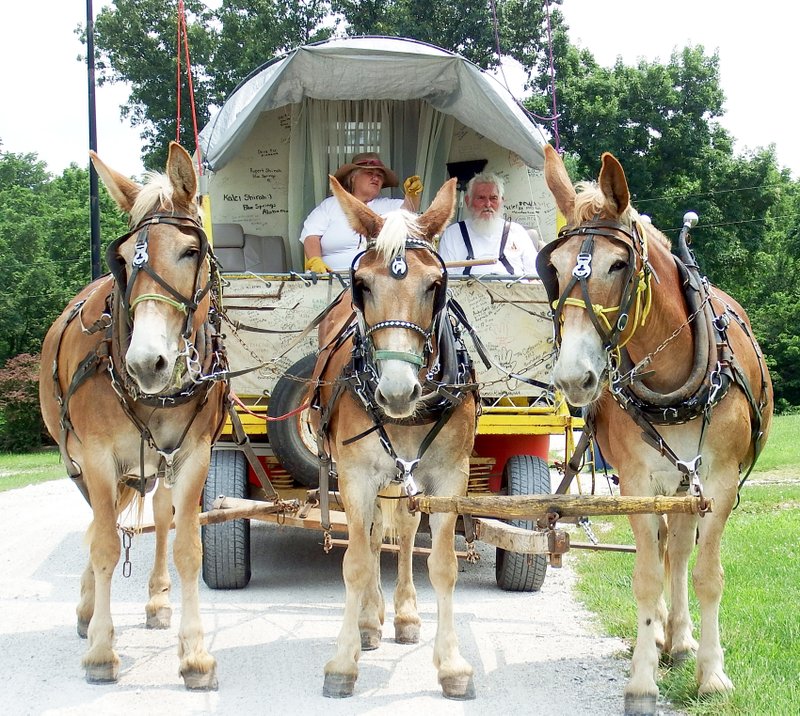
x: 19, y: 470
x: 782, y: 450
x: 760, y: 630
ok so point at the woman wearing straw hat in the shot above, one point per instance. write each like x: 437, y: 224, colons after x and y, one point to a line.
x: 329, y: 242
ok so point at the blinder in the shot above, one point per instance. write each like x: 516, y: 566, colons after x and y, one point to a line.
x: 397, y: 272
x: 141, y: 262
x: 582, y: 272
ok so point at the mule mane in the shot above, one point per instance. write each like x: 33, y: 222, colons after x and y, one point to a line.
x: 398, y: 226
x: 156, y: 194
x: 591, y: 202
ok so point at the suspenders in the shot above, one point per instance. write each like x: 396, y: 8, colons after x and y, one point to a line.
x: 471, y: 255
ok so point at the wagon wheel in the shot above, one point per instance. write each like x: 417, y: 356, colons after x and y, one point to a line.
x: 226, y: 545
x: 293, y: 440
x: 516, y: 572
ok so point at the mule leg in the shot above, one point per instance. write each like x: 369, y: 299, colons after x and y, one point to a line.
x: 370, y: 621
x: 708, y: 579
x: 101, y: 662
x: 680, y: 644
x: 85, y: 606
x: 641, y: 691
x: 455, y: 674
x: 158, y: 610
x: 197, y: 666
x: 358, y: 570
x: 406, y: 617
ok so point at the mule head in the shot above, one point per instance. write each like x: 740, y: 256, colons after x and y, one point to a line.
x: 161, y: 270
x: 399, y: 289
x: 591, y: 273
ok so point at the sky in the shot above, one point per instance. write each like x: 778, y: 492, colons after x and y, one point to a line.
x: 43, y: 88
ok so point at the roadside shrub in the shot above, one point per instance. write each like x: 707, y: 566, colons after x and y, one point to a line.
x: 21, y: 425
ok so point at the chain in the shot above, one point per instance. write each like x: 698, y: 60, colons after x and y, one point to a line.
x: 127, y: 538
x: 631, y: 375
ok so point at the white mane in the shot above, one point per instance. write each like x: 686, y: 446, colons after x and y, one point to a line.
x: 157, y: 191
x: 398, y: 226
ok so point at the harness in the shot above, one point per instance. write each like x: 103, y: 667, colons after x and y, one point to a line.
x: 714, y: 368
x: 204, y: 359
x: 449, y: 376
x: 471, y: 253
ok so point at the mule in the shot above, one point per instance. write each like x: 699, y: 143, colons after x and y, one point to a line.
x: 677, y: 394
x: 126, y: 389
x: 396, y: 404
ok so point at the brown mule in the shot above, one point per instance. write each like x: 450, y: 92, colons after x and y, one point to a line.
x: 682, y: 370
x: 381, y: 419
x: 125, y: 389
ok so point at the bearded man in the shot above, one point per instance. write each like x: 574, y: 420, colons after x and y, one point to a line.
x: 485, y: 234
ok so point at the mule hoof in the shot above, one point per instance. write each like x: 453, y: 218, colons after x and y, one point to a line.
x: 679, y: 658
x: 200, y: 680
x: 338, y: 686
x: 407, y: 634
x: 102, y: 673
x: 459, y: 688
x: 83, y: 629
x: 370, y: 639
x: 160, y: 620
x: 641, y: 705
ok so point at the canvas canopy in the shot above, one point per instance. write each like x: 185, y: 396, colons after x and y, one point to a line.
x: 374, y: 68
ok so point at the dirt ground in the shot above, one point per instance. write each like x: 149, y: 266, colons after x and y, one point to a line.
x: 539, y: 652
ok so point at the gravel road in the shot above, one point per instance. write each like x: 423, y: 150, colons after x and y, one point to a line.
x: 540, y: 653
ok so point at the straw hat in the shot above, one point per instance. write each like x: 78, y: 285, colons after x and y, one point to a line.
x: 367, y: 160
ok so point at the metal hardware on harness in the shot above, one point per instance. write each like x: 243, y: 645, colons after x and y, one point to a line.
x: 126, y: 545
x: 140, y: 255
x: 583, y: 266
x: 169, y: 471
x: 398, y: 267
x: 690, y: 479
x: 405, y: 469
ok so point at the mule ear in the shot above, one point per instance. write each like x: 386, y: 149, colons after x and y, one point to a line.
x: 363, y: 220
x: 122, y: 189
x: 180, y: 170
x: 558, y: 181
x: 439, y: 213
x: 613, y: 184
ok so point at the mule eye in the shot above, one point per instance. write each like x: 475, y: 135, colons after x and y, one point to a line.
x: 191, y: 252
x: 618, y: 266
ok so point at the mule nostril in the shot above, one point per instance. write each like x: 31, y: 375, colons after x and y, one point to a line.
x: 589, y: 381
x: 161, y: 364
x: 416, y: 392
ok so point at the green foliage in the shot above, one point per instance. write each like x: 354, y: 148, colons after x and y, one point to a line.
x: 782, y: 451
x: 44, y: 242
x: 21, y: 426
x: 30, y: 468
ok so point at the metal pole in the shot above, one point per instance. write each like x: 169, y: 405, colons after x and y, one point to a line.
x: 94, y: 202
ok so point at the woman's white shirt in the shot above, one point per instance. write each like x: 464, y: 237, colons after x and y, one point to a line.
x: 340, y: 244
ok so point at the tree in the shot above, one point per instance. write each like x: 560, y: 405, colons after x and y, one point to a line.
x: 44, y: 242
x: 136, y: 42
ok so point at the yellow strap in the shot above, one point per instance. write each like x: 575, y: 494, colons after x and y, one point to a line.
x: 157, y: 297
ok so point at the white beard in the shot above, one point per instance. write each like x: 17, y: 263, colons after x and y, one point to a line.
x: 491, y: 226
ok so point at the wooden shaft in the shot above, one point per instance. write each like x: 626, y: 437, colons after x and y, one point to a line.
x: 486, y: 261
x: 535, y: 506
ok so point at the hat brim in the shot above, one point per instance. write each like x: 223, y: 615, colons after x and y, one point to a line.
x: 390, y: 179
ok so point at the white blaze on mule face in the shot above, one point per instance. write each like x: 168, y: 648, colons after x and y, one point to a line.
x: 578, y: 370
x: 398, y: 388
x: 154, y: 347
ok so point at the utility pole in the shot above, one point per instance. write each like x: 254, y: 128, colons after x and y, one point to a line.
x: 94, y: 202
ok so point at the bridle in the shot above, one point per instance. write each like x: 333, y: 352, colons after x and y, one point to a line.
x: 398, y: 269
x: 141, y: 264
x: 636, y: 298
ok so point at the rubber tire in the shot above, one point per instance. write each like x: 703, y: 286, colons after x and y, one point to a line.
x: 284, y: 435
x: 226, y: 545
x: 516, y: 572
